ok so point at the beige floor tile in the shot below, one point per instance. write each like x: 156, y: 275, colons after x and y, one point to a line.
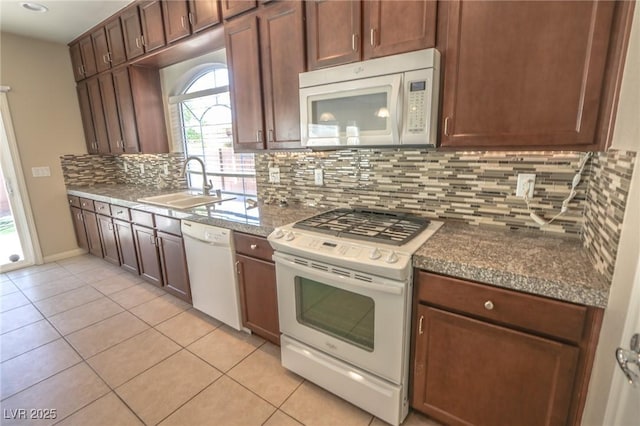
x: 224, y: 347
x: 100, y: 336
x: 19, y: 317
x: 116, y: 283
x: 68, y: 300
x: 263, y: 373
x: 106, y: 411
x: 188, y: 327
x: 4, y: 277
x: 85, y: 315
x: 31, y: 367
x: 281, y: 419
x: 413, y: 419
x: 31, y: 270
x: 81, y: 264
x: 66, y: 392
x: 160, y: 309
x: 7, y: 287
x: 54, y: 274
x: 225, y: 402
x: 133, y: 356
x: 136, y: 295
x: 159, y: 391
x: 24, y: 339
x: 52, y: 288
x: 312, y: 405
x: 12, y: 301
x: 100, y: 273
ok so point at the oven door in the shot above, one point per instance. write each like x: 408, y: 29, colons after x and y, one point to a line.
x: 358, y: 318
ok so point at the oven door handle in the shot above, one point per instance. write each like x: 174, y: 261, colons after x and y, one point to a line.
x: 391, y: 288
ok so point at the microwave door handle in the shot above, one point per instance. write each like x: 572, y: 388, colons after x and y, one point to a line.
x: 400, y: 113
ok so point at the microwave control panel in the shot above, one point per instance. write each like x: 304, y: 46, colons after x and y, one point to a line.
x: 416, y: 117
x: 420, y: 99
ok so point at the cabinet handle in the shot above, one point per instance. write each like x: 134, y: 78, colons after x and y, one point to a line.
x: 182, y: 21
x: 70, y: 201
x: 354, y: 39
x: 142, y: 40
x: 191, y: 18
x: 110, y: 226
x: 446, y: 126
x: 488, y: 305
x: 253, y: 246
x: 420, y: 330
x: 237, y: 267
x: 151, y: 240
x: 259, y: 136
x: 104, y: 58
x: 270, y: 135
x: 372, y: 37
x: 119, y: 212
x: 138, y: 42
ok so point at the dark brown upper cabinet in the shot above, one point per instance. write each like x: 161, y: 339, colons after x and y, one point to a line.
x: 524, y: 74
x: 108, y: 45
x: 83, y: 59
x: 340, y: 32
x: 142, y: 28
x: 232, y: 8
x: 87, y: 118
x: 132, y: 33
x: 98, y: 117
x: 176, y: 19
x: 203, y: 14
x: 265, y: 51
x: 126, y: 110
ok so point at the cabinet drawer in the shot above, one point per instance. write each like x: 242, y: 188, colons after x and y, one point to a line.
x: 120, y: 212
x: 142, y: 218
x: 74, y: 201
x: 253, y: 246
x: 549, y: 317
x: 102, y: 208
x: 168, y: 224
x: 87, y: 204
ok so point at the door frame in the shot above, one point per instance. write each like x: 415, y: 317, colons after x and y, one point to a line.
x: 19, y: 201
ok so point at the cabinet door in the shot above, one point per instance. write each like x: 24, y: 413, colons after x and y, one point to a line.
x: 152, y: 26
x: 126, y: 246
x: 235, y: 7
x: 126, y: 111
x: 243, y: 56
x: 258, y: 297
x: 148, y: 257
x: 108, y: 238
x: 76, y: 61
x: 101, y: 49
x: 117, y: 53
x: 112, y: 119
x: 149, y: 109
x: 203, y: 14
x: 524, y: 74
x: 471, y: 372
x: 176, y: 19
x: 88, y: 57
x: 97, y: 113
x: 333, y: 32
x: 132, y: 33
x: 78, y: 226
x: 87, y: 119
x: 174, y: 266
x: 93, y: 233
x: 282, y: 53
x: 392, y: 27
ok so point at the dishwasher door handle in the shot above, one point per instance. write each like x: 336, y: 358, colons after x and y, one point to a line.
x: 209, y: 243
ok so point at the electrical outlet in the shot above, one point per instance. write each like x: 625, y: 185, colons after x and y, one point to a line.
x: 166, y: 169
x: 526, y: 184
x: 274, y: 174
x: 319, y: 178
x: 141, y: 168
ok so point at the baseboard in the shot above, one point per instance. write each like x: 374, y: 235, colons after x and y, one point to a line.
x: 64, y: 255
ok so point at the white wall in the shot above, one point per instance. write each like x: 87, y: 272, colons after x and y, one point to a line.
x: 46, y: 119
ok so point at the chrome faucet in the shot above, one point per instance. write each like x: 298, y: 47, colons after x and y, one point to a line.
x: 206, y: 187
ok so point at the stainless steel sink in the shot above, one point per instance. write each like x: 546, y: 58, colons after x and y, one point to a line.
x: 183, y: 200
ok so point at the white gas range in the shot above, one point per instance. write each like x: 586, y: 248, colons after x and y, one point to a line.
x: 344, y: 281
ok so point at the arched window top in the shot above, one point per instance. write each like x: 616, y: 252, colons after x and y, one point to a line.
x: 212, y: 78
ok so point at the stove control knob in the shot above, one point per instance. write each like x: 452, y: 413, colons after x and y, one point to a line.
x: 290, y: 236
x: 375, y: 254
x: 277, y: 234
x: 392, y: 257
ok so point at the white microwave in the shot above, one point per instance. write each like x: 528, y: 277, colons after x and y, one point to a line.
x: 380, y: 102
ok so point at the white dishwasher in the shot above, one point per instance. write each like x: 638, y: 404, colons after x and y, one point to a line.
x: 211, y: 260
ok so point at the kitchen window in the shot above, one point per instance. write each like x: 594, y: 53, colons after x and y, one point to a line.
x: 204, y: 112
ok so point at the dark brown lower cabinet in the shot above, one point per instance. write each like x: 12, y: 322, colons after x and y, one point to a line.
x: 93, y: 233
x: 148, y: 256
x: 174, y: 265
x: 108, y: 238
x: 489, y: 356
x: 78, y: 226
x: 126, y: 246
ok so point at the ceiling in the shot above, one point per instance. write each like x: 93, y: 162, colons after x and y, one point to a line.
x: 65, y: 20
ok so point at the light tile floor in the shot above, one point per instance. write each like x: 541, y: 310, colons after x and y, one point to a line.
x: 90, y: 344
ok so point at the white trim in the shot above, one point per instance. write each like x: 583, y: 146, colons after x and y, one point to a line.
x: 4, y: 89
x: 199, y: 94
x: 64, y: 255
x: 12, y: 168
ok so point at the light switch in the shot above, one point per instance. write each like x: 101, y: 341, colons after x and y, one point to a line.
x: 42, y: 171
x: 274, y: 174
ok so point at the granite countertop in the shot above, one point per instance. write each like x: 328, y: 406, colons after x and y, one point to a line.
x: 555, y: 267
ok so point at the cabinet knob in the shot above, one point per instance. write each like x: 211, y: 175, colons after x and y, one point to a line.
x: 253, y: 246
x: 488, y: 305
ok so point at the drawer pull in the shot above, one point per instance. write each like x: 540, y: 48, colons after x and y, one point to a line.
x: 420, y: 330
x: 119, y: 212
x: 488, y: 305
x: 253, y: 246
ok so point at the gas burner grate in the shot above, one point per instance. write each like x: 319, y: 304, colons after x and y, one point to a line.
x: 369, y: 225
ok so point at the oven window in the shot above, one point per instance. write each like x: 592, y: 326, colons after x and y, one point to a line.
x: 339, y: 313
